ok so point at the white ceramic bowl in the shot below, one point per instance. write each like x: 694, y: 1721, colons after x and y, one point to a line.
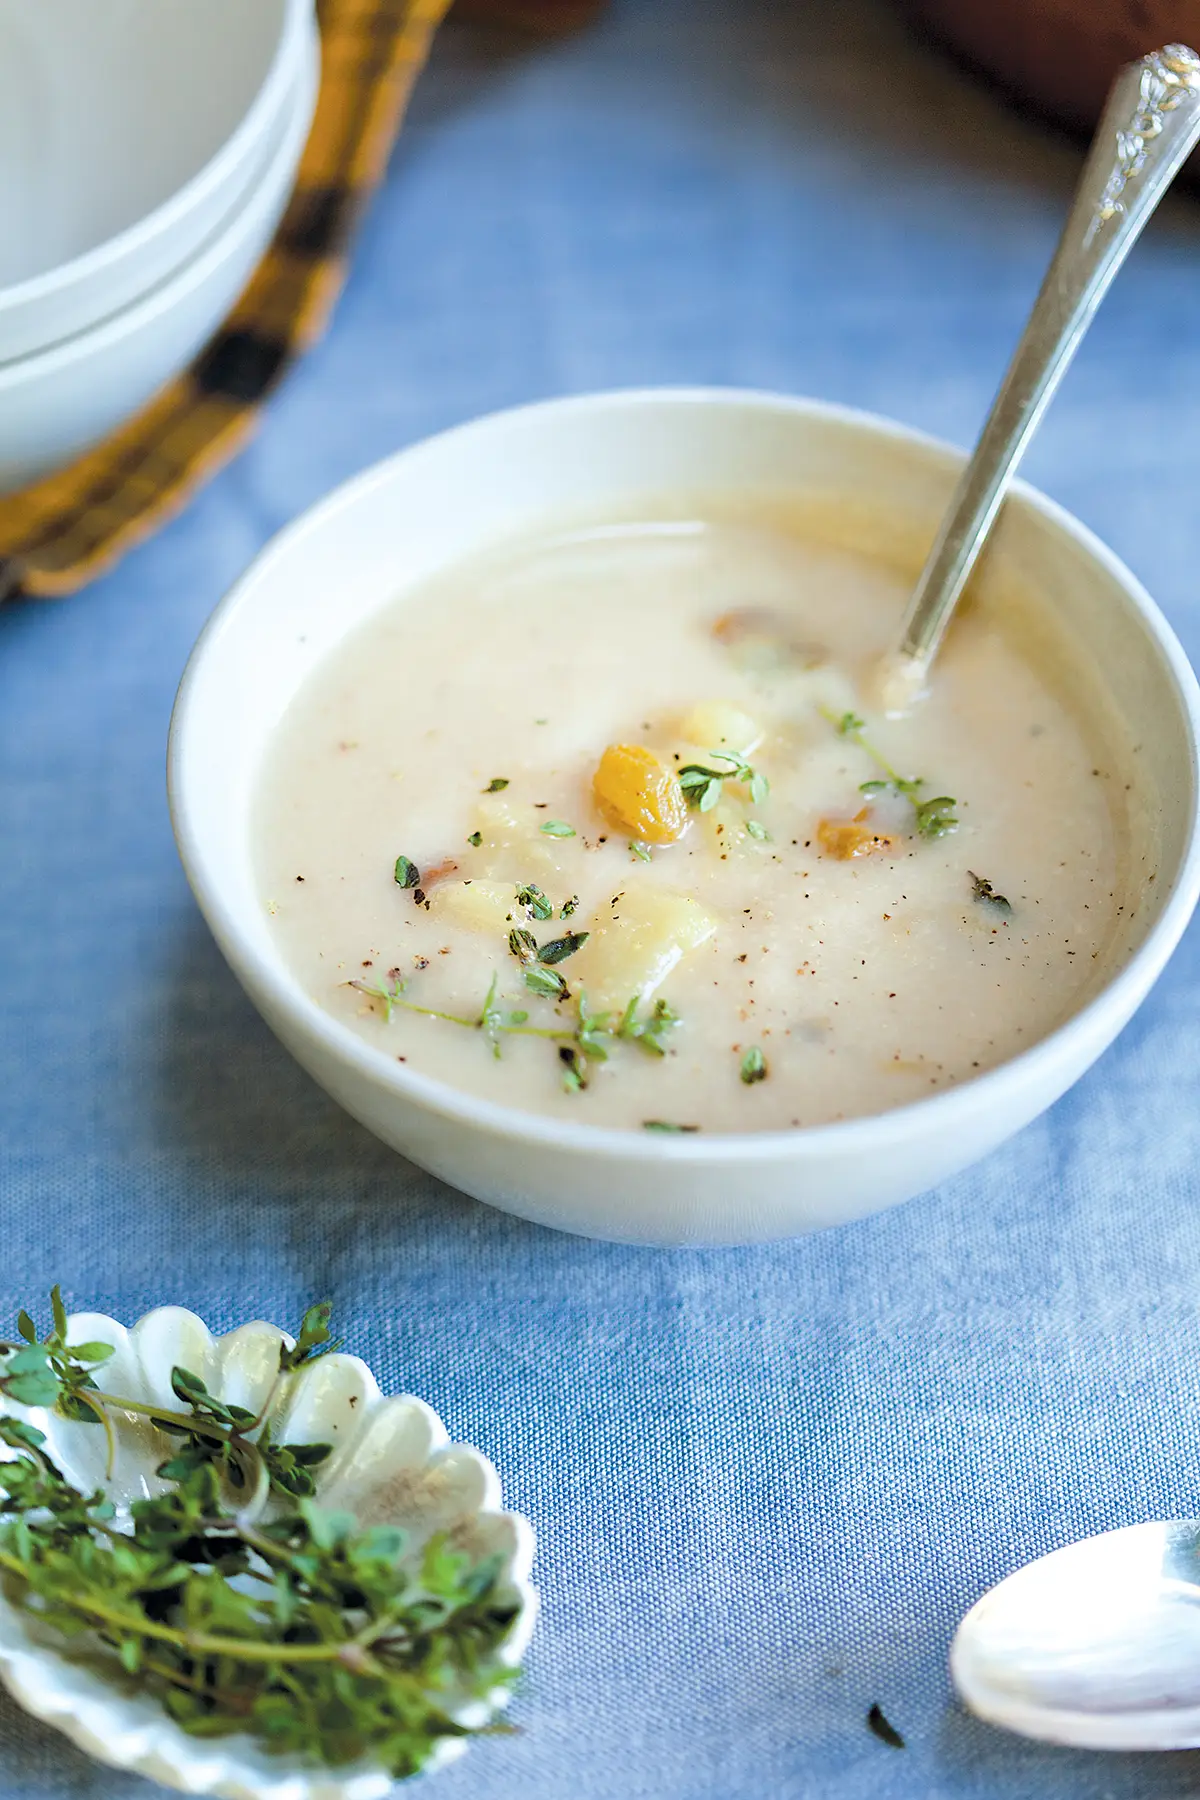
x: 60, y: 402
x: 450, y: 497
x: 128, y: 133
x: 393, y: 1464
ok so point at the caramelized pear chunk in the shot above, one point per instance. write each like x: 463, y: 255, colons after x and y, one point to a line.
x: 638, y: 794
x: 846, y: 838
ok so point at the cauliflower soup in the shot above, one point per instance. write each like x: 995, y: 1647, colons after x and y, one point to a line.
x: 604, y: 826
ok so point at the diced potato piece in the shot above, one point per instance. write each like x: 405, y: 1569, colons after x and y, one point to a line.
x: 725, y: 830
x: 499, y: 821
x: 640, y: 795
x: 512, y: 844
x: 720, y: 725
x: 634, y: 948
x: 762, y: 638
x: 476, y: 905
x: 846, y: 838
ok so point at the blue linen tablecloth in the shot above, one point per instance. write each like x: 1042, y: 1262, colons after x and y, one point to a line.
x: 766, y: 1482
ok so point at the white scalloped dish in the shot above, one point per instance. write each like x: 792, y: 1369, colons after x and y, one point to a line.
x: 392, y: 1463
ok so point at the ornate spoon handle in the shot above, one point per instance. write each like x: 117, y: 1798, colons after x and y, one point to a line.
x: 1150, y: 124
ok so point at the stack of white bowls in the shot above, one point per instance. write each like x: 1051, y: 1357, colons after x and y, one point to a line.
x: 148, y: 149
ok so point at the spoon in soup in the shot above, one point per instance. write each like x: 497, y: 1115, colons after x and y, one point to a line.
x: 1150, y: 124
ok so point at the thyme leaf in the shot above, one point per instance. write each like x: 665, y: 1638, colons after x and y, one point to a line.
x: 754, y: 1066
x: 534, y: 902
x: 407, y: 873
x: 936, y: 818
x: 557, y: 828
x: 547, y: 982
x: 558, y: 949
x: 496, y: 785
x: 312, y: 1339
x: 985, y: 893
x: 523, y: 944
x: 666, y: 1125
x: 575, y: 1069
x: 881, y: 1725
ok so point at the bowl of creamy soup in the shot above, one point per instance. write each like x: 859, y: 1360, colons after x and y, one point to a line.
x: 537, y: 787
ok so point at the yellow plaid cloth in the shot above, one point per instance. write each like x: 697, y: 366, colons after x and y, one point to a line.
x: 67, y: 528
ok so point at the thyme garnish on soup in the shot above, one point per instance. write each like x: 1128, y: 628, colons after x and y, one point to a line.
x: 932, y: 818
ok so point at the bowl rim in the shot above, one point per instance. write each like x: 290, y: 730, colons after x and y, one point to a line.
x: 77, y: 271
x: 227, y: 237
x: 899, y: 1125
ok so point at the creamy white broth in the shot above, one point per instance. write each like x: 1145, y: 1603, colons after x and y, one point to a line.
x: 861, y: 983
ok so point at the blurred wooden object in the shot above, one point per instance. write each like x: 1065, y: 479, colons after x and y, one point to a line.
x: 543, y: 16
x: 1060, y: 55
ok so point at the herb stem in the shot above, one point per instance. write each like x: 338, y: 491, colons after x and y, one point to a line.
x: 249, y: 1457
x: 856, y: 733
x: 198, y: 1427
x: 110, y: 1437
x: 197, y: 1643
x: 176, y: 1678
x: 475, y: 1024
x: 431, y: 1012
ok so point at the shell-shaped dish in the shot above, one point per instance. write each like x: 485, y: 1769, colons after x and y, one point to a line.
x: 392, y: 1463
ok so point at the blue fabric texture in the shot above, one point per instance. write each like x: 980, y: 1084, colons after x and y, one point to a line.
x: 768, y: 1482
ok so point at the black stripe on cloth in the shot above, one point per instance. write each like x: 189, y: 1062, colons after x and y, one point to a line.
x: 10, y: 578
x: 316, y: 222
x: 240, y: 364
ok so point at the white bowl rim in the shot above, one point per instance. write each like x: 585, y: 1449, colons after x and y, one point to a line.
x: 271, y: 97
x: 165, y: 296
x: 883, y: 1130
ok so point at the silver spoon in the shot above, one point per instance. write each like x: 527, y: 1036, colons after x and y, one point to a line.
x: 1097, y: 1645
x: 1150, y: 124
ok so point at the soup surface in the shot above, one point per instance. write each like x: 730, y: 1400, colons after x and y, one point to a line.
x: 617, y: 802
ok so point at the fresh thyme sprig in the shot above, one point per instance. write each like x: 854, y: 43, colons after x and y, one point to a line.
x: 651, y: 1033
x: 52, y: 1373
x: 316, y: 1637
x: 933, y: 818
x: 702, y: 787
x: 584, y: 1040
x: 491, y: 1018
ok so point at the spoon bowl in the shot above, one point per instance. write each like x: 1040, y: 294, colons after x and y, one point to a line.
x: 1096, y: 1645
